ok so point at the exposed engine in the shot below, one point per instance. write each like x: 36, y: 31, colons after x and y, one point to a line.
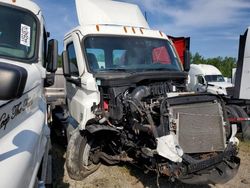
x: 173, y: 133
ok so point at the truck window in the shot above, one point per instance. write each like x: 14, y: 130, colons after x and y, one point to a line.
x: 96, y: 58
x: 160, y: 55
x: 214, y: 78
x: 131, y: 54
x: 200, y: 79
x: 18, y: 31
x: 72, y: 60
x: 44, y: 47
x: 119, y: 57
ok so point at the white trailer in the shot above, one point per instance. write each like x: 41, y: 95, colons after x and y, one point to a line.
x: 242, y: 86
x: 25, y: 59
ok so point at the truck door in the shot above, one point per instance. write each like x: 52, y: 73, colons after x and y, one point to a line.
x: 201, y: 84
x: 81, y: 89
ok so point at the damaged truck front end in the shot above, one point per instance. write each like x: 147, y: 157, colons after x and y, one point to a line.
x: 148, y: 119
x: 176, y: 134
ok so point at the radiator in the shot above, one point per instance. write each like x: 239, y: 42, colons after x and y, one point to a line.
x: 200, y: 127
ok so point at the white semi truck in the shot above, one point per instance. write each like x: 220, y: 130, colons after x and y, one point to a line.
x: 207, y: 78
x: 25, y: 59
x: 127, y: 101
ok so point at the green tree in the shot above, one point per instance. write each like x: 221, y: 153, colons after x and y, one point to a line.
x: 59, y: 61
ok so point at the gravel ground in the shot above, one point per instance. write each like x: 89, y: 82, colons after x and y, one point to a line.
x: 128, y: 176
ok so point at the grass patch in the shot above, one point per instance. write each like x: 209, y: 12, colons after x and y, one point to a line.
x: 245, y: 146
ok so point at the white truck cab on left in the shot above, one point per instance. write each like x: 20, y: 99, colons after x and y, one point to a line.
x: 25, y: 59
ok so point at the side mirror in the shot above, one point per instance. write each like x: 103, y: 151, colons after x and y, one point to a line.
x: 186, y: 64
x: 65, y: 64
x: 12, y: 81
x: 52, y: 55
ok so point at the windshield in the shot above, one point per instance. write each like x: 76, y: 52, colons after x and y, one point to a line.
x: 214, y: 78
x: 109, y: 53
x: 17, y: 33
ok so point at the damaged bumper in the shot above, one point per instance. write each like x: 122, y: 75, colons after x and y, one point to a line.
x: 216, y: 169
x: 218, y: 173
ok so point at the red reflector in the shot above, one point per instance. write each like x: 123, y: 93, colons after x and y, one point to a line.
x: 238, y: 119
x: 105, y: 105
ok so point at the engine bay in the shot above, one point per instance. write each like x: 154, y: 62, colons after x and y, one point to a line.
x: 173, y: 132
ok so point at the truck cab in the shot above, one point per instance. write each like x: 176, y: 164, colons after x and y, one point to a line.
x: 26, y: 57
x: 127, y: 101
x: 109, y: 51
x: 207, y: 78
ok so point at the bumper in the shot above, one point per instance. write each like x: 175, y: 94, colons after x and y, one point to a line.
x: 218, y: 174
x: 214, y: 170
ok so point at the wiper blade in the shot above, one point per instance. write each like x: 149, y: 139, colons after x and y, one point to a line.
x: 116, y: 69
x: 119, y: 70
x: 160, y: 69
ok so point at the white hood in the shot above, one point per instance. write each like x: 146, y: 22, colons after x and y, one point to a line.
x: 218, y: 88
x: 221, y: 84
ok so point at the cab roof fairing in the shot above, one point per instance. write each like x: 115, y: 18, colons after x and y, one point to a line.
x: 108, y: 12
x: 25, y: 4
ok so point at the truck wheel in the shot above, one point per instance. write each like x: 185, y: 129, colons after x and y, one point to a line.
x: 245, y: 125
x: 78, y: 155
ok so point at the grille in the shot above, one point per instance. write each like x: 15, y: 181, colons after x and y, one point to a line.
x: 200, y: 127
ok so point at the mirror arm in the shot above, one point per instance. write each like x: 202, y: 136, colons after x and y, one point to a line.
x: 76, y: 81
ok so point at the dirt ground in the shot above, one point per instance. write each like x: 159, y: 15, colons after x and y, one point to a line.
x: 129, y: 176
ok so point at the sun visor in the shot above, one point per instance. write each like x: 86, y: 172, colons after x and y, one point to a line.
x: 108, y: 12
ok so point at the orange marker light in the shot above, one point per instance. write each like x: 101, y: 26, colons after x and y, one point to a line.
x: 141, y: 30
x: 161, y: 33
x: 13, y: 1
x: 133, y: 29
x: 125, y: 29
x: 97, y: 28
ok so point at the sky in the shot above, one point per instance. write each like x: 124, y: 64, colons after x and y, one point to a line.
x: 213, y: 25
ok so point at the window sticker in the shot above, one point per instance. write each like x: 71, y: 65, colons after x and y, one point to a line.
x: 25, y: 35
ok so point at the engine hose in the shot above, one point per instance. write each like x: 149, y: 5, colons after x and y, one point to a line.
x: 137, y: 108
x: 151, y: 122
x: 163, y: 119
x: 140, y: 92
x: 137, y: 95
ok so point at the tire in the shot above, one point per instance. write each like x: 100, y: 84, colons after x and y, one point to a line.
x: 78, y: 162
x: 245, y: 125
